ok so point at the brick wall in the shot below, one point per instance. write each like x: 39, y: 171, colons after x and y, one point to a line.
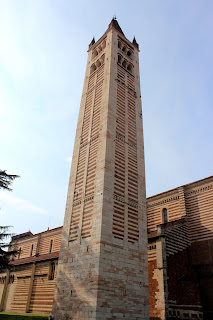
x: 154, y: 313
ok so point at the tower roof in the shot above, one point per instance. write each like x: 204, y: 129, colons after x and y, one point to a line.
x: 92, y: 42
x: 135, y: 43
x: 114, y: 23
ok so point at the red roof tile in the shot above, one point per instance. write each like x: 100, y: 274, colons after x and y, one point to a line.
x: 48, y: 256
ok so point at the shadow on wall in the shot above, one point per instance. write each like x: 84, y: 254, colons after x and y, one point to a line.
x: 190, y: 271
x: 201, y: 251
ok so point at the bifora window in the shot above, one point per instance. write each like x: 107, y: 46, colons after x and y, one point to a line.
x: 165, y: 215
x: 52, y: 271
x: 3, y: 280
x: 125, y: 49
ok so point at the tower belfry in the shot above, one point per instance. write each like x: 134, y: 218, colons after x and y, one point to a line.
x: 102, y: 271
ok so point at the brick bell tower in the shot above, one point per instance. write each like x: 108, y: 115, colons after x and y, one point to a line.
x: 102, y: 271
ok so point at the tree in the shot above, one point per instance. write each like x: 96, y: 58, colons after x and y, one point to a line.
x: 5, y: 183
x: 5, y: 256
x: 6, y: 179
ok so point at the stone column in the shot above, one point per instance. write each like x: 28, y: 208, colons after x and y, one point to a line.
x: 30, y: 288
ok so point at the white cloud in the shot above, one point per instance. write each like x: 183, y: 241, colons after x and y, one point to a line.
x: 20, y: 204
x: 2, y: 213
x: 69, y: 159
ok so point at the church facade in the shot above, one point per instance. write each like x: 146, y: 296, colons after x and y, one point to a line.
x: 118, y: 255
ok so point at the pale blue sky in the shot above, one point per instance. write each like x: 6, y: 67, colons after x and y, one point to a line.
x: 43, y: 53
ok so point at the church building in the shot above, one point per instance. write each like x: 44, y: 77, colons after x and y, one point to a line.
x: 119, y: 255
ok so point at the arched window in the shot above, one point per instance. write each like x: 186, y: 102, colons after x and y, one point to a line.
x: 119, y: 44
x: 129, y: 53
x: 104, y: 44
x: 165, y: 215
x: 119, y: 58
x: 124, y: 64
x: 102, y: 59
x: 94, y: 54
x: 124, y: 49
x: 98, y: 64
x: 129, y: 68
x: 93, y: 68
x: 52, y: 271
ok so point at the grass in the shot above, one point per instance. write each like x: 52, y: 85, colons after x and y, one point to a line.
x: 22, y: 316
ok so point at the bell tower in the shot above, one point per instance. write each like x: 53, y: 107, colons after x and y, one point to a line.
x: 103, y: 268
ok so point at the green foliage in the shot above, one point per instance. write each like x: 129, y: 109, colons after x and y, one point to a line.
x: 4, y: 235
x: 5, y: 183
x: 6, y: 179
x: 5, y: 256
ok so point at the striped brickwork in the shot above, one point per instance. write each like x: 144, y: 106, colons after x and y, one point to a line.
x: 30, y: 287
x: 199, y: 206
x: 189, y: 228
x: 104, y: 241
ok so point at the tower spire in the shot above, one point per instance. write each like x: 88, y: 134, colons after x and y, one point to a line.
x: 92, y: 42
x: 135, y: 43
x: 114, y: 24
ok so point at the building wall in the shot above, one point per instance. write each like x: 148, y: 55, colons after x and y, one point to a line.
x: 25, y: 247
x: 43, y: 289
x: 199, y: 206
x: 202, y: 261
x: 188, y: 237
x: 157, y: 284
x: 41, y: 243
x: 30, y: 288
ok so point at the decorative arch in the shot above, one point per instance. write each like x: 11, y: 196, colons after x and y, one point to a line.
x: 97, y: 64
x: 92, y: 68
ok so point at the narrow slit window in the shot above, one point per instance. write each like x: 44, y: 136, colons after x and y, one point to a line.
x: 165, y: 215
x: 31, y: 250
x: 52, y: 271
x: 51, y: 246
